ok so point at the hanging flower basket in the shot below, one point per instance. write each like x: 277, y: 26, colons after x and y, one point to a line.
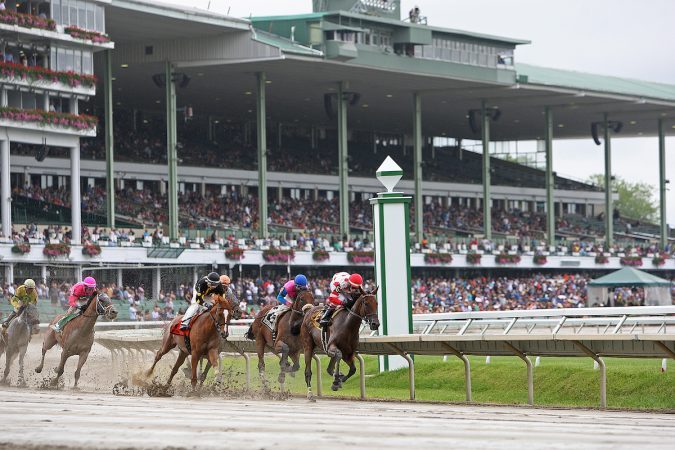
x: 63, y: 120
x: 632, y: 261
x: 601, y: 259
x: 437, y: 258
x: 505, y: 258
x: 278, y: 255
x: 659, y: 260
x: 361, y: 257
x: 539, y: 260
x: 320, y: 255
x: 473, y: 258
x: 21, y: 248
x: 87, y: 35
x: 235, y: 253
x: 91, y: 250
x: 56, y: 250
x: 26, y: 20
x: 36, y: 73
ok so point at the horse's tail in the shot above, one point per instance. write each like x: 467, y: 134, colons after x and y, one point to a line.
x: 249, y: 333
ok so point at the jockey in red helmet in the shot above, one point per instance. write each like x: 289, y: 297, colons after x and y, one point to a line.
x: 343, y: 288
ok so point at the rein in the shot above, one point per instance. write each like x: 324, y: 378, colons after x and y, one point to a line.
x: 100, y: 309
x: 366, y: 317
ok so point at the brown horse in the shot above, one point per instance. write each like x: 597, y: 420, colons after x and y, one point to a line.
x: 78, y: 335
x: 205, y: 334
x: 342, y: 337
x: 287, y: 342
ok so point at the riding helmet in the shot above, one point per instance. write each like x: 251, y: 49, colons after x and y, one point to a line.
x: 300, y: 280
x: 90, y: 282
x: 356, y: 280
x: 213, y: 278
x: 225, y: 280
x: 29, y: 283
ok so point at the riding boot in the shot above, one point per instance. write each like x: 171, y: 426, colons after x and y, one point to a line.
x: 325, y: 319
x: 71, y: 314
x: 9, y: 318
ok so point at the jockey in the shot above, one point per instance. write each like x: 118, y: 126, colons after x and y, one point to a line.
x: 228, y: 292
x: 25, y: 294
x: 204, y: 287
x: 80, y: 294
x: 291, y: 289
x: 343, y: 286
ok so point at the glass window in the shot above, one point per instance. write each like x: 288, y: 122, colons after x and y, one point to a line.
x: 82, y: 15
x: 91, y: 21
x: 77, y: 59
x: 13, y: 99
x: 69, y: 62
x: 61, y: 59
x: 28, y: 100
x: 56, y: 11
x: 87, y: 66
x: 65, y: 12
x: 73, y: 12
x: 100, y: 22
x: 52, y: 59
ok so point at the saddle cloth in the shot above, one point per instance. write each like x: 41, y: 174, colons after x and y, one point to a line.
x: 272, y: 317
x: 175, y: 328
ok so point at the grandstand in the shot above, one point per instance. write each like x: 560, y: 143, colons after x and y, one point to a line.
x: 269, y: 132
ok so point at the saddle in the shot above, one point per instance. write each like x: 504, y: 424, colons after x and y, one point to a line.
x: 271, y: 319
x: 175, y: 328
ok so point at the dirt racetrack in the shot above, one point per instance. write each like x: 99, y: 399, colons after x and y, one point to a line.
x: 34, y: 418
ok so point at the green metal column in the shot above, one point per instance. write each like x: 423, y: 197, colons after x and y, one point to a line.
x: 550, y: 180
x: 261, y: 129
x: 417, y: 175
x: 343, y: 169
x: 172, y: 154
x: 662, y: 185
x: 487, y: 211
x: 109, y: 141
x: 609, y: 207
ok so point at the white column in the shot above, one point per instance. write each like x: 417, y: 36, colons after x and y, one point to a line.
x: 44, y: 274
x: 119, y: 278
x: 5, y: 189
x: 156, y: 283
x: 74, y: 106
x: 9, y: 273
x: 75, y: 197
x: 78, y: 272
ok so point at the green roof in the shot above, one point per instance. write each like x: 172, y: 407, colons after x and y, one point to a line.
x: 629, y: 277
x: 528, y: 74
x: 285, y: 45
x: 393, y: 22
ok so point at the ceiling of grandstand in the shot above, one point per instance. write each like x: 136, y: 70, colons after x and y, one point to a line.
x: 297, y: 86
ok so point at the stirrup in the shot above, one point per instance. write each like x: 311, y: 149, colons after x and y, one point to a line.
x: 56, y: 328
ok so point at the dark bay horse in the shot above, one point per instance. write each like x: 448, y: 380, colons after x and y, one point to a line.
x: 15, y: 341
x: 205, y: 333
x: 342, y: 337
x: 287, y: 342
x: 77, y: 336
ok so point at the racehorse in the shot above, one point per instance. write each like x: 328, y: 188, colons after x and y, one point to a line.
x: 15, y: 341
x: 204, y: 337
x: 287, y: 340
x: 77, y: 336
x: 341, y: 338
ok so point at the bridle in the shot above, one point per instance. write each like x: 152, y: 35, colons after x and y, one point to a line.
x: 296, y: 302
x: 101, y: 310
x: 217, y: 324
x: 368, y: 318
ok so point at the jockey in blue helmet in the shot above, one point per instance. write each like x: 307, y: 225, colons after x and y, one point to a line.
x: 291, y: 289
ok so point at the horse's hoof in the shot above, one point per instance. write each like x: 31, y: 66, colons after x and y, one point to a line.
x: 38, y: 370
x: 335, y: 387
x: 311, y: 399
x: 75, y: 388
x: 292, y: 374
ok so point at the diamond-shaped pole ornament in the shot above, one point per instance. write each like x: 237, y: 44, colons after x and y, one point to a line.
x: 389, y: 174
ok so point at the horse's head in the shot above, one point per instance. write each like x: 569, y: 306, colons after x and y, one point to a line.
x: 105, y: 307
x: 369, y: 308
x: 234, y: 302
x: 32, y: 317
x: 222, y: 313
x: 304, y: 297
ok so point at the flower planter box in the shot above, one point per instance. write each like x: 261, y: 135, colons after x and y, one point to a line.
x: 438, y: 258
x: 276, y: 255
x: 361, y: 257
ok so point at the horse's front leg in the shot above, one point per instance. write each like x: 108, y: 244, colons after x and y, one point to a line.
x: 9, y: 358
x: 80, y: 362
x: 22, y: 355
x: 195, y: 362
x: 308, y: 373
x: 60, y: 368
x: 333, y: 368
x: 352, y: 368
x: 214, y: 360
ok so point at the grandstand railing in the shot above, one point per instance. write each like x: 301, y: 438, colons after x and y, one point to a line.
x: 476, y: 339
